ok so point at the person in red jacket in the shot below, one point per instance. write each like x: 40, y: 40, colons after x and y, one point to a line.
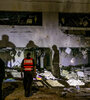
x: 29, y: 69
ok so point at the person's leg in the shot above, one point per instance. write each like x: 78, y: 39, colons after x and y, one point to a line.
x: 30, y: 89
x: 26, y: 89
x: 25, y: 83
x: 29, y: 83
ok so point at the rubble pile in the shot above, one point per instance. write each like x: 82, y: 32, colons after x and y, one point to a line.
x: 74, y: 82
x: 76, y: 77
x: 47, y: 75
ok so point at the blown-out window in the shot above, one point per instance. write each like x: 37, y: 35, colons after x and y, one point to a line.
x: 74, y: 20
x: 21, y: 18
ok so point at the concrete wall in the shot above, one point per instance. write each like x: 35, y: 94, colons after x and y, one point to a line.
x: 49, y: 33
x: 43, y: 36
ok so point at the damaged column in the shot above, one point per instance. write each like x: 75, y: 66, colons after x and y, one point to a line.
x: 55, y: 62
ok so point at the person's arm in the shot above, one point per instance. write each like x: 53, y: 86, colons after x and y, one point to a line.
x: 34, y: 68
x: 22, y: 68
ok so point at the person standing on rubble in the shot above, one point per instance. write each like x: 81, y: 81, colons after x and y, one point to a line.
x: 29, y: 69
x: 2, y: 75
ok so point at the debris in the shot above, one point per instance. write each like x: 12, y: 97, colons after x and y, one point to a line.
x: 80, y: 74
x: 63, y: 94
x: 68, y: 50
x: 64, y: 73
x: 54, y: 83
x: 38, y: 77
x: 39, y: 83
x: 74, y: 82
x: 10, y: 80
x: 48, y: 75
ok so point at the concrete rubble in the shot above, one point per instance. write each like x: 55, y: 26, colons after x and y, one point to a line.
x: 77, y: 77
x: 45, y: 84
x: 73, y: 78
x: 54, y: 83
x: 74, y: 82
x: 48, y: 75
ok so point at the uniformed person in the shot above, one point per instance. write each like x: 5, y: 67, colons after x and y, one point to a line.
x: 29, y: 69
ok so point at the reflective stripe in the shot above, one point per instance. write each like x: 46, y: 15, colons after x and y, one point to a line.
x: 28, y: 66
x: 28, y: 69
x: 28, y: 61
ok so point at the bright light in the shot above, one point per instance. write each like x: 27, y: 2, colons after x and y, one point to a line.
x: 72, y: 60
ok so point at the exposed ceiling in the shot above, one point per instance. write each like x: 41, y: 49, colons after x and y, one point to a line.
x: 58, y: 1
x: 81, y: 6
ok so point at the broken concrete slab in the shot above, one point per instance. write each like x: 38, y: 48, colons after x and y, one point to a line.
x: 54, y: 83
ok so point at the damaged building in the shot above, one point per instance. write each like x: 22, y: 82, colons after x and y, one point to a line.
x: 57, y: 34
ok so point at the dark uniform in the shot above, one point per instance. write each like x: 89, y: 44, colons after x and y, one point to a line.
x: 28, y: 67
x: 2, y: 75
